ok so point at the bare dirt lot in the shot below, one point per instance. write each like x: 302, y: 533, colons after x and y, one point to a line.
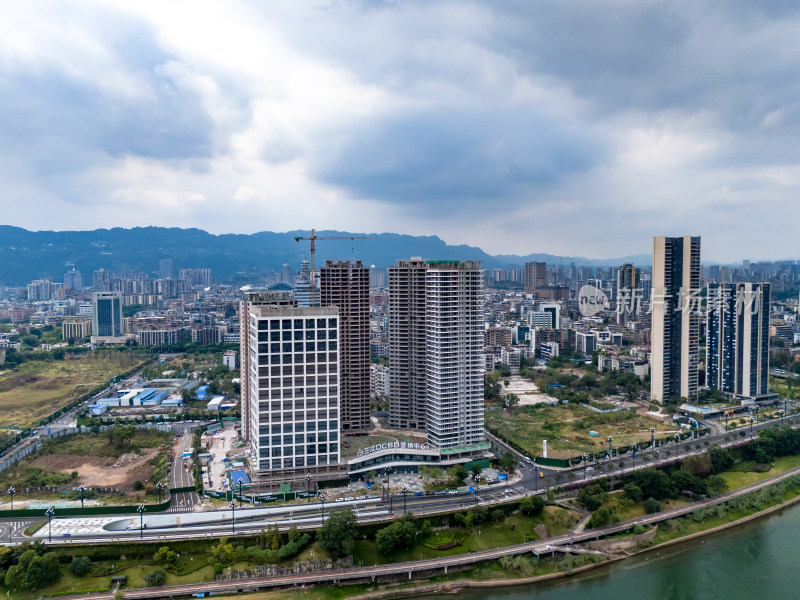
x: 100, y: 471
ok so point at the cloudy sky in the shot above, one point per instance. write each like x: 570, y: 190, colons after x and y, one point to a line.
x: 577, y: 128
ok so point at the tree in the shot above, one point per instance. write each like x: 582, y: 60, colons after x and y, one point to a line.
x: 475, y: 469
x: 81, y: 565
x: 601, y: 517
x: 337, y: 535
x: 532, y: 505
x: 652, y: 506
x: 507, y: 462
x: 510, y: 401
x: 156, y: 577
x: 165, y: 557
x: 717, y: 484
x: 633, y: 492
x: 457, y: 473
x: 33, y: 570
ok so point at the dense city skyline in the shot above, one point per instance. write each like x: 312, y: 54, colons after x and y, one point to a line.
x: 501, y: 126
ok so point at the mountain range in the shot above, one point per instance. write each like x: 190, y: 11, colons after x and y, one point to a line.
x: 27, y: 255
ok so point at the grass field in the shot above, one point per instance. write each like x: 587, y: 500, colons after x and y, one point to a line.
x: 36, y: 389
x: 514, y: 530
x: 737, y: 479
x: 566, y: 428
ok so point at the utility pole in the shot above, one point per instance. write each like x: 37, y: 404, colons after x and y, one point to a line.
x: 313, y: 238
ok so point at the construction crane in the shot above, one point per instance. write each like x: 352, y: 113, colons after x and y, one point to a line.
x: 313, y: 238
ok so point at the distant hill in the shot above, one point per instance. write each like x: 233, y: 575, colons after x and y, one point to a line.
x: 28, y: 255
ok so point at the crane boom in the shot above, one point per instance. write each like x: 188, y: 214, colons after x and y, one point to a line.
x: 313, y: 238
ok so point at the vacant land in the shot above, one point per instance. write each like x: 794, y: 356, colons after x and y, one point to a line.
x: 36, y: 389
x: 94, y: 460
x: 566, y: 428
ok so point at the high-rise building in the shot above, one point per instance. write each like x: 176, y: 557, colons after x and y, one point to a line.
x: 73, y: 279
x: 196, y: 277
x: 287, y: 275
x: 101, y: 280
x: 535, y: 276
x: 345, y: 285
x: 302, y: 285
x: 107, y: 318
x: 675, y: 317
x: 628, y: 295
x: 166, y: 269
x: 737, y: 360
x: 436, y: 350
x: 290, y: 389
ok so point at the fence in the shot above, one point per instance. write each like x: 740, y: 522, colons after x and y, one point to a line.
x: 89, y: 510
x: 34, y: 443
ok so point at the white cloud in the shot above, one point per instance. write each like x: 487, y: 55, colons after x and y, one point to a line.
x: 518, y: 127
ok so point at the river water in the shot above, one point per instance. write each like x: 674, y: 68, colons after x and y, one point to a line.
x: 759, y: 560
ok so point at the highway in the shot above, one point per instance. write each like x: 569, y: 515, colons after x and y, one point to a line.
x: 426, y: 566
x: 420, y: 505
x: 181, y: 476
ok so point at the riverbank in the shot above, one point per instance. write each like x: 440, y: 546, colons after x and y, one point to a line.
x: 457, y: 585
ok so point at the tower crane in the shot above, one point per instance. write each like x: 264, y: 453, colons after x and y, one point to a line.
x: 313, y: 238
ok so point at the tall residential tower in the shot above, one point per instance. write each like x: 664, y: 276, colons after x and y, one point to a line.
x: 675, y: 317
x: 345, y: 285
x: 435, y: 350
x: 737, y: 360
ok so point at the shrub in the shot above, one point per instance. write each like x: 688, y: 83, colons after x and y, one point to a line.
x: 157, y: 577
x: 651, y: 506
x: 81, y: 565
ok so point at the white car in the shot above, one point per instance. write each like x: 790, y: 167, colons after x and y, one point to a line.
x: 349, y: 498
x: 590, y: 468
x: 361, y: 497
x: 340, y: 500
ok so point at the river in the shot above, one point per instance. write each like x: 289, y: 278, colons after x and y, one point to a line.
x: 758, y: 560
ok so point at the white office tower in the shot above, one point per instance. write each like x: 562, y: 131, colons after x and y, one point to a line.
x: 436, y: 350
x: 290, y: 390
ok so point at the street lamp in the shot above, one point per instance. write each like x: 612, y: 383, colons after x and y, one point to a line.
x: 140, y: 510
x: 585, y: 458
x: 677, y: 437
x: 751, y: 426
x: 81, y: 490
x: 755, y: 410
x: 610, y: 439
x: 405, y: 491
x: 239, y: 482
x: 11, y: 491
x: 49, y: 514
x: 535, y: 479
x: 159, y: 487
x: 322, y: 499
x: 233, y: 520
x: 635, y: 448
x: 652, y: 437
x: 308, y: 487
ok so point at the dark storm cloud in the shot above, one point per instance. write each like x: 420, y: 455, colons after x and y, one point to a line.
x: 440, y: 157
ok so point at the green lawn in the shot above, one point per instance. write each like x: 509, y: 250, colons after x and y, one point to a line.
x: 514, y: 530
x: 737, y: 479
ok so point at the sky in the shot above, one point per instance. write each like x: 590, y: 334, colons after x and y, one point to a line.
x: 572, y: 128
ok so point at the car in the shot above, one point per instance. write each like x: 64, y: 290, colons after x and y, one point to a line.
x: 419, y: 493
x: 349, y: 498
x: 508, y: 491
x: 590, y: 468
x: 340, y: 500
x: 452, y: 492
x: 66, y: 534
x: 430, y: 493
x: 361, y: 497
